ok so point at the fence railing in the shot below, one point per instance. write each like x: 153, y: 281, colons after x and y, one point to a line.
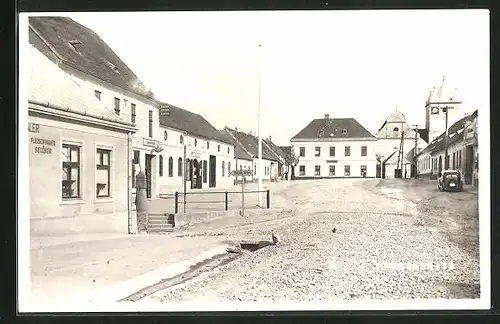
x: 221, y: 198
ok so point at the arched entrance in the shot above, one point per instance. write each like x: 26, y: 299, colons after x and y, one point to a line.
x: 440, y: 165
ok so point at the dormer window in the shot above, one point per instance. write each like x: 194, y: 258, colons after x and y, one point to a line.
x: 76, y: 45
x: 344, y: 131
x: 113, y: 67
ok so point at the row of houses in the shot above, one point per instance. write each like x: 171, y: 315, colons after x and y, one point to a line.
x: 93, y: 126
x: 462, y: 152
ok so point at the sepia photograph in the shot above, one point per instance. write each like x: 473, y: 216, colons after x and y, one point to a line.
x: 254, y: 160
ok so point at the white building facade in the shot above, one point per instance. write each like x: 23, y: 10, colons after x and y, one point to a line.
x: 334, y: 148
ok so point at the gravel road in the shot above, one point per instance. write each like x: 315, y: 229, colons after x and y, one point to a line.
x: 392, y: 240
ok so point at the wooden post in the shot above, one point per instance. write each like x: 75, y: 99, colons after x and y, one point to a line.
x: 225, y: 200
x: 268, y: 196
x: 243, y: 196
x: 176, y: 202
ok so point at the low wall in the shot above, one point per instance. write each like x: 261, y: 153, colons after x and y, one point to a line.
x: 183, y: 219
x: 326, y: 177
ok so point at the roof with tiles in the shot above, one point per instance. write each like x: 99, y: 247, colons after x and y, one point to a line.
x: 71, y: 99
x: 333, y: 128
x: 250, y: 144
x: 239, y: 150
x: 455, y: 134
x: 63, y: 40
x: 191, y: 123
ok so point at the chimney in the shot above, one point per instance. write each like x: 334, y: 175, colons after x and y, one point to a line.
x: 327, y: 116
x: 250, y: 133
x: 270, y: 138
x: 236, y: 128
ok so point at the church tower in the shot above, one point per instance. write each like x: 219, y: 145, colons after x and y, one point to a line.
x: 435, y: 117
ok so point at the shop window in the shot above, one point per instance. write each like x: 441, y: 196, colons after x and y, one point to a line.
x: 302, y: 170
x: 332, y: 170
x: 103, y: 176
x: 70, y: 171
x: 347, y: 151
x: 317, y: 170
x: 170, y: 166
x: 317, y: 151
x: 332, y: 150
x: 161, y: 166
x: 363, y: 151
x: 347, y: 170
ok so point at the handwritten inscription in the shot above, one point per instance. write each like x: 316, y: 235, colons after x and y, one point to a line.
x: 43, y: 146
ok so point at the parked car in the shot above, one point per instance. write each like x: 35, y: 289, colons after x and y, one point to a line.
x: 450, y: 180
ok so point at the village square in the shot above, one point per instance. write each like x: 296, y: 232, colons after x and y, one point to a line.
x: 136, y: 199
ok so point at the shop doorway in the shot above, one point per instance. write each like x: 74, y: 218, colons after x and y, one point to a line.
x: 196, y: 183
x: 469, y: 164
x: 212, y: 167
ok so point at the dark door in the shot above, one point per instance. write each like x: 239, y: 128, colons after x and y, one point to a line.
x: 212, y: 167
x: 148, y: 170
x: 440, y: 165
x: 383, y: 170
x: 377, y: 173
x: 205, y: 171
x: 469, y: 164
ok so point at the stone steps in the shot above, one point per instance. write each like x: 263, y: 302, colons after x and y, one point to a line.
x: 160, y: 223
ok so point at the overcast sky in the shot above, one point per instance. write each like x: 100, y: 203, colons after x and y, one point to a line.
x: 360, y: 64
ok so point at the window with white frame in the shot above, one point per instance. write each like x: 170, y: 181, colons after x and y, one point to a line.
x: 228, y: 169
x: 317, y: 151
x: 347, y: 170
x: 70, y: 171
x: 302, y: 151
x: 317, y: 170
x: 347, y: 151
x: 332, y: 150
x: 302, y: 170
x: 363, y: 150
x: 363, y: 170
x: 332, y: 170
x: 117, y: 106
x: 132, y: 113
x: 103, y: 176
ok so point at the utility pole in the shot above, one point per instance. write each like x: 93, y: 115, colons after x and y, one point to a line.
x: 415, y: 128
x: 259, y: 168
x: 446, y: 159
x: 184, y: 174
x: 402, y: 151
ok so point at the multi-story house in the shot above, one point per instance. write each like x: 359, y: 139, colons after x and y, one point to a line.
x: 334, y: 147
x: 249, y: 145
x: 209, y: 158
x: 98, y: 71
x: 79, y: 175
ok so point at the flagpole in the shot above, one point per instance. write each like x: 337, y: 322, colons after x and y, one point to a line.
x: 259, y: 169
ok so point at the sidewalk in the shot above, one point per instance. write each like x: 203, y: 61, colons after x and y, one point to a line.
x: 64, y: 273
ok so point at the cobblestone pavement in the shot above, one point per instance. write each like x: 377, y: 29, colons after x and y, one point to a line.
x: 349, y: 239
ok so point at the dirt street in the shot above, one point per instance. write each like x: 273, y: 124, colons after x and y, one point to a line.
x: 348, y: 239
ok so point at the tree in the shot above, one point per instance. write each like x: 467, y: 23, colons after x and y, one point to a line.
x: 293, y: 160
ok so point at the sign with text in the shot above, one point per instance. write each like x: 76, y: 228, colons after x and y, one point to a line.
x: 33, y: 128
x: 331, y: 161
x: 241, y: 173
x: 149, y: 142
x: 195, y: 155
x: 42, y: 145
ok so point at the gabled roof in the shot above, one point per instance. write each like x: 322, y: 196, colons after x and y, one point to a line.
x: 72, y: 99
x: 194, y: 124
x: 273, y: 149
x: 455, y: 134
x: 332, y: 128
x: 250, y: 144
x: 276, y: 149
x: 239, y: 150
x: 63, y: 40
